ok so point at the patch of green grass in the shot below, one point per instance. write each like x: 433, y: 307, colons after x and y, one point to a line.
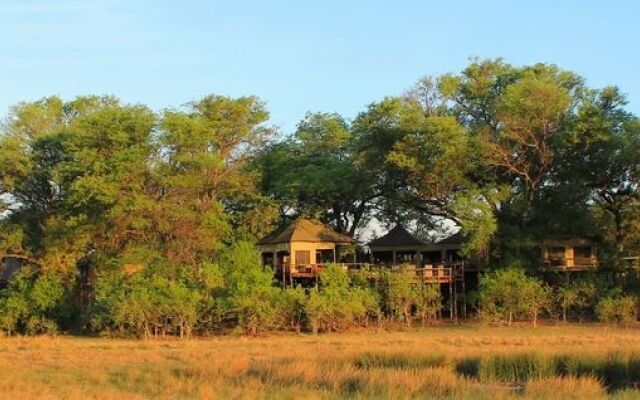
x: 615, y: 370
x: 399, y: 361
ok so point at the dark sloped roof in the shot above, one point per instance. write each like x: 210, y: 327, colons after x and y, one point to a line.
x: 8, y: 267
x: 456, y: 238
x: 306, y: 230
x: 398, y: 236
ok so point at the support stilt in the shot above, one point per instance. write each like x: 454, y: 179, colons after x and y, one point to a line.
x: 464, y: 294
x: 451, y: 301
x: 455, y: 298
x: 291, y: 275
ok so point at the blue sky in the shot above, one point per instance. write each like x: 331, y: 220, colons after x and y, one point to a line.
x: 298, y: 55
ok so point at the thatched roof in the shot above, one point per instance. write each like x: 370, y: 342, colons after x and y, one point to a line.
x: 398, y: 236
x: 8, y: 267
x: 456, y: 238
x: 306, y: 230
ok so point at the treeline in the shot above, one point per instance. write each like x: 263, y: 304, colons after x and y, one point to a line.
x: 124, y: 218
x: 237, y: 294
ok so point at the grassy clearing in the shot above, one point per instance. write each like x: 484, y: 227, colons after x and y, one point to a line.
x: 464, y: 362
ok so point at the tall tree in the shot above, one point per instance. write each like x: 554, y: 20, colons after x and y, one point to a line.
x: 521, y: 116
x: 53, y: 180
x: 427, y: 165
x: 314, y: 172
x: 605, y: 158
x: 203, y: 174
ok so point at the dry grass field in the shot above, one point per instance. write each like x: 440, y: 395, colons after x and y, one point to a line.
x: 469, y: 361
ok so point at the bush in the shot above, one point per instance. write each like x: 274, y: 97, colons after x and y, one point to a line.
x: 249, y: 297
x: 404, y: 297
x: 35, y: 302
x: 579, y: 297
x: 164, y: 298
x: 428, y: 302
x: 153, y: 302
x: 328, y: 308
x: 400, y: 293
x: 292, y: 308
x: 509, y: 294
x: 338, y: 305
x: 620, y: 310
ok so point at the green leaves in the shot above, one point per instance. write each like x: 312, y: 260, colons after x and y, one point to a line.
x: 435, y: 156
x: 315, y: 173
x: 249, y: 295
x: 34, y: 303
x: 508, y: 294
x: 338, y: 304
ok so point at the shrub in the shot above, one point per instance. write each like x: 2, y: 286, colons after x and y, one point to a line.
x: 617, y: 310
x: 320, y: 312
x: 400, y: 287
x: 579, y: 297
x: 149, y: 303
x: 337, y: 305
x: 249, y: 295
x: 403, y: 297
x: 509, y: 294
x: 329, y: 308
x: 35, y: 302
x: 428, y: 302
x: 292, y: 308
x: 535, y: 297
x: 164, y: 298
x: 364, y: 305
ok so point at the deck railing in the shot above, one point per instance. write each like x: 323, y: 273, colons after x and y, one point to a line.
x: 441, y: 273
x: 632, y: 263
x: 569, y: 264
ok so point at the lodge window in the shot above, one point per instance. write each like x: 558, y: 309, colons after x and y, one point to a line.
x: 556, y: 254
x: 303, y: 257
x: 582, y: 252
x: 324, y: 256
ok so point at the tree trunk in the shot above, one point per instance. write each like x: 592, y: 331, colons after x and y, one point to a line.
x: 619, y: 231
x: 407, y: 315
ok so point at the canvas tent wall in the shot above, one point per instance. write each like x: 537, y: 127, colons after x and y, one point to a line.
x: 304, y: 242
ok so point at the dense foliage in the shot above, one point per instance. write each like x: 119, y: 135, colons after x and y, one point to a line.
x: 131, y: 221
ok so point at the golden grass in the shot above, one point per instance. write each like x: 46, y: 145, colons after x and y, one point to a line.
x: 565, y: 388
x: 399, y: 365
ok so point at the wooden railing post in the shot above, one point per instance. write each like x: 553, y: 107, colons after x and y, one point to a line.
x: 451, y: 302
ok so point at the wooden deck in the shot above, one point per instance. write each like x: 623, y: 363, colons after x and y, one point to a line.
x: 442, y: 273
x: 563, y: 264
x: 450, y: 277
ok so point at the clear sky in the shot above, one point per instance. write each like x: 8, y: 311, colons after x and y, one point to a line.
x: 299, y: 55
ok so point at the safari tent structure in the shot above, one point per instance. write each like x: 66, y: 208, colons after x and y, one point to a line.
x: 399, y: 246
x: 302, y: 248
x: 435, y: 263
x: 569, y: 253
